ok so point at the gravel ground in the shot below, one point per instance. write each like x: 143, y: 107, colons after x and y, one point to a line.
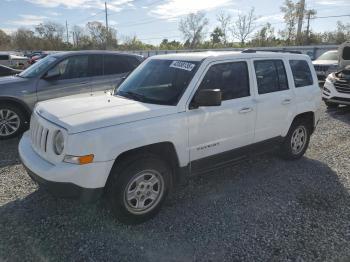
x: 264, y: 209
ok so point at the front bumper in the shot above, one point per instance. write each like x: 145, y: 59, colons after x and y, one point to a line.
x: 330, y: 94
x: 85, y: 182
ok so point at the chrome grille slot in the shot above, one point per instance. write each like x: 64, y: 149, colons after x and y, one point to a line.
x: 39, y: 135
x: 342, y: 86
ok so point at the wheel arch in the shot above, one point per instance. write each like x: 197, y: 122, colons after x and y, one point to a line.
x: 308, y: 116
x: 14, y: 101
x: 164, y: 150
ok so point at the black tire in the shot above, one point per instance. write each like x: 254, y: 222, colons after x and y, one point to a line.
x: 331, y: 105
x: 120, y: 180
x: 22, y: 120
x: 287, y: 151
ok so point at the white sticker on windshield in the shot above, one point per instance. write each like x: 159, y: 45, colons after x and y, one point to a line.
x: 182, y: 65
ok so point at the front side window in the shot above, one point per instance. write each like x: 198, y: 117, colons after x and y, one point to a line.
x: 159, y: 81
x: 73, y: 67
x: 231, y: 78
x: 271, y: 76
x: 301, y: 73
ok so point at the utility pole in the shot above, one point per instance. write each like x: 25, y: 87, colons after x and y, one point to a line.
x: 107, y: 31
x: 308, y: 26
x: 300, y: 19
x: 67, y: 32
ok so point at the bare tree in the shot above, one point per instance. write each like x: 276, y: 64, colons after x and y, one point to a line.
x: 193, y: 28
x: 52, y: 33
x: 290, y: 17
x: 98, y: 33
x: 225, y: 20
x: 78, y: 33
x: 244, y: 26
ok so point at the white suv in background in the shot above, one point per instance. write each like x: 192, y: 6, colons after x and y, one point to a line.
x: 336, y: 90
x: 175, y: 115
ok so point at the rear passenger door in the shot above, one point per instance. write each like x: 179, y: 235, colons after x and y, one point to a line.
x: 274, y: 98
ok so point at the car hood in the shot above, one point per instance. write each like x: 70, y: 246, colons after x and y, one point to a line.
x: 325, y: 62
x: 83, y: 113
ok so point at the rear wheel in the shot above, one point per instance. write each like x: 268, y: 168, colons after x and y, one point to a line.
x: 12, y: 121
x: 296, y: 141
x: 137, y: 191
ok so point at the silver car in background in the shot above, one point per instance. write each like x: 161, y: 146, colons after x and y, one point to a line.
x: 58, y: 75
x: 325, y: 64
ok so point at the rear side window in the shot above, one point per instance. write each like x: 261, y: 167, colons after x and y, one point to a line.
x: 116, y: 64
x: 231, y: 78
x: 301, y: 73
x: 271, y: 76
x: 95, y: 65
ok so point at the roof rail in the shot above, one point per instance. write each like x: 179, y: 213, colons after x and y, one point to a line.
x: 249, y: 50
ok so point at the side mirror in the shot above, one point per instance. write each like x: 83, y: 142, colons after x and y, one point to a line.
x: 52, y: 73
x: 207, y: 97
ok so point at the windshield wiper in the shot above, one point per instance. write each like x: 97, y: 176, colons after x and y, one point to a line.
x: 134, y: 96
x: 19, y: 76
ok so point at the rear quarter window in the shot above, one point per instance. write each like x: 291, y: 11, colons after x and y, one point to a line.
x: 301, y: 73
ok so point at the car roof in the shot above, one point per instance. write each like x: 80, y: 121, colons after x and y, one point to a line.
x: 92, y: 52
x: 221, y: 55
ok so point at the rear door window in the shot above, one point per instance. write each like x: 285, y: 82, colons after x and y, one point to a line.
x: 116, y: 64
x: 95, y: 65
x: 301, y: 73
x: 271, y: 76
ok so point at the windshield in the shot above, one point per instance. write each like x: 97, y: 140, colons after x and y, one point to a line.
x: 36, y: 69
x: 330, y: 55
x: 159, y: 81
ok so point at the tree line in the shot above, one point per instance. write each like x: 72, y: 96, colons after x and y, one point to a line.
x: 242, y: 30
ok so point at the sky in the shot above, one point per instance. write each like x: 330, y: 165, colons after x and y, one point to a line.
x: 153, y: 20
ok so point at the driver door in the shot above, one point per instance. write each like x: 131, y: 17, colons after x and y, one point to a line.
x: 71, y: 77
x: 214, y: 132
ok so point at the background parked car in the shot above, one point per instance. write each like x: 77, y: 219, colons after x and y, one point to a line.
x: 57, y: 75
x: 8, y: 71
x: 325, y: 64
x: 13, y: 61
x: 36, y: 58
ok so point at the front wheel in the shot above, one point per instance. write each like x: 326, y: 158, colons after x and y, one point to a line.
x: 137, y: 191
x: 12, y: 121
x: 296, y: 141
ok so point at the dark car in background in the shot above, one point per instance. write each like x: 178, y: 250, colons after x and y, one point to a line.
x: 8, y: 71
x: 58, y: 75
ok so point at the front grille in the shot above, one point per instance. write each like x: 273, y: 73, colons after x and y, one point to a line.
x: 342, y: 85
x: 39, y: 135
x: 321, y: 68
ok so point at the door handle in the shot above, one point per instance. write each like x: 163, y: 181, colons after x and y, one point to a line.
x: 286, y: 101
x: 245, y: 110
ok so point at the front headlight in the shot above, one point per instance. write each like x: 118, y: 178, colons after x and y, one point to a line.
x: 58, y: 143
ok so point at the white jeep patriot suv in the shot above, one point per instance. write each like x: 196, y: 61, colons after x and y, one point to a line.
x: 174, y: 115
